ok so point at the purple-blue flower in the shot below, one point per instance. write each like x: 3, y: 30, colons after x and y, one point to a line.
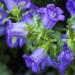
x: 50, y: 15
x: 2, y: 30
x: 3, y: 15
x: 12, y: 42
x: 65, y: 56
x: 27, y: 17
x: 16, y: 34
x: 64, y: 37
x: 21, y: 41
x: 25, y: 4
x: 10, y: 4
x: 64, y: 59
x: 70, y: 5
x: 47, y: 63
x: 61, y: 68
x: 35, y: 59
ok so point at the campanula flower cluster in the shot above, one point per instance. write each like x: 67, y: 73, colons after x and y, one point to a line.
x: 35, y: 28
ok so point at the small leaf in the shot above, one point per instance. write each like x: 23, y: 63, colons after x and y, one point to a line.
x: 71, y: 45
x: 15, y: 14
x: 70, y: 33
x: 71, y: 20
x: 1, y: 5
x: 14, y: 40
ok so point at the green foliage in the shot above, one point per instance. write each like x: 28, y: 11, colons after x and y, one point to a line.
x: 15, y: 14
x: 38, y: 36
x: 71, y: 33
x: 71, y: 44
x: 71, y: 21
x: 56, y: 43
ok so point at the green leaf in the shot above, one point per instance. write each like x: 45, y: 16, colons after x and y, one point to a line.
x: 70, y: 33
x: 14, y: 14
x: 71, y: 44
x: 36, y: 20
x: 1, y: 5
x: 71, y: 21
x: 53, y: 51
x: 14, y: 40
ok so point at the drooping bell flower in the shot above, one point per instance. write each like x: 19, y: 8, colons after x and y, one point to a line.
x: 2, y: 30
x: 65, y: 58
x: 14, y: 42
x: 27, y: 17
x: 34, y: 7
x: 25, y: 4
x: 47, y: 63
x: 70, y: 5
x: 61, y: 68
x: 35, y: 59
x: 3, y: 15
x: 50, y: 15
x: 16, y: 34
x: 55, y: 13
x: 10, y: 4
